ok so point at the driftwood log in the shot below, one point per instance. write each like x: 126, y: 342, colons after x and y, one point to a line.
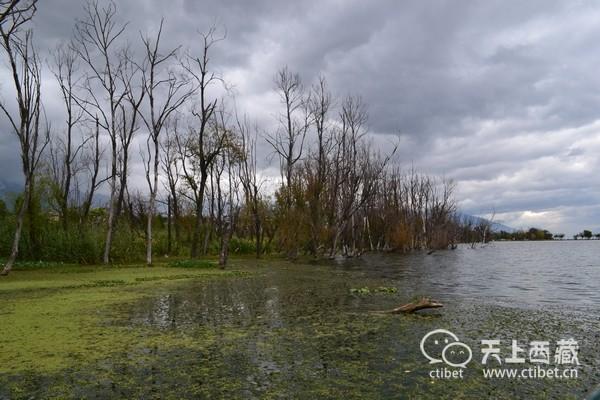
x: 420, y: 304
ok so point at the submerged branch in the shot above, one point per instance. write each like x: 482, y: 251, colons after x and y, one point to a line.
x: 420, y: 304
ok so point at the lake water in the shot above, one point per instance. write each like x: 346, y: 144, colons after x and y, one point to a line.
x: 527, y: 274
x: 298, y: 330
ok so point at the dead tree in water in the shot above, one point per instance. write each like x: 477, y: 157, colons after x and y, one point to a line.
x: 420, y: 304
x: 317, y: 165
x: 227, y: 201
x: 357, y: 170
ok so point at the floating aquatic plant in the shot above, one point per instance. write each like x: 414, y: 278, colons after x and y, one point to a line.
x: 381, y: 289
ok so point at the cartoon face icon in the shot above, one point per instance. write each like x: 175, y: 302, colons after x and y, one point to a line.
x: 441, y: 345
x: 457, y: 354
x: 433, y: 344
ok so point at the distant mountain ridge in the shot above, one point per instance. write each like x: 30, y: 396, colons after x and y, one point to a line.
x: 9, y: 190
x: 495, y: 226
x: 9, y: 187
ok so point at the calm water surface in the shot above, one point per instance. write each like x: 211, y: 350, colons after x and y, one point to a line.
x: 565, y: 273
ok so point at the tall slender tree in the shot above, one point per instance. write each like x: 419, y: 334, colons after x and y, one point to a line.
x: 288, y: 140
x: 166, y: 92
x: 249, y: 177
x: 66, y: 148
x: 96, y: 39
x: 26, y: 78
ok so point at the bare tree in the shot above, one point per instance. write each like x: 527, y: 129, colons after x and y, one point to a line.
x: 159, y: 82
x: 356, y: 173
x: 171, y: 166
x: 66, y: 151
x: 129, y: 112
x: 25, y: 73
x: 231, y: 201
x: 483, y: 230
x: 96, y: 38
x: 201, y: 147
x: 288, y: 145
x: 16, y: 12
x: 93, y: 153
x: 288, y: 140
x: 317, y: 165
x: 249, y: 177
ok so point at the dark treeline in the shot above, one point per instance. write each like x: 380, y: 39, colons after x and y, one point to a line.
x: 530, y: 234
x: 204, y: 191
x: 542, y: 234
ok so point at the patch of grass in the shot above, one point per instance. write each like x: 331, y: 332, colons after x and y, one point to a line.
x: 107, y: 283
x: 193, y: 264
x: 71, y: 277
x: 25, y: 265
x: 162, y: 278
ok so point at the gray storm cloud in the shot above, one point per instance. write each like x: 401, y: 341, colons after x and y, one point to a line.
x: 504, y: 98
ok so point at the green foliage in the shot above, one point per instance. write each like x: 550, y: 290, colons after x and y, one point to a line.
x: 242, y: 246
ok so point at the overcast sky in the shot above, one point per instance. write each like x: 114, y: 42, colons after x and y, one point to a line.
x: 501, y: 96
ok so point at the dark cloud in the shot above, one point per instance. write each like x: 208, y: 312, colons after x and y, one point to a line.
x: 501, y: 97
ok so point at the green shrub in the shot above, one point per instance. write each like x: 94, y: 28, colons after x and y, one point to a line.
x: 241, y: 246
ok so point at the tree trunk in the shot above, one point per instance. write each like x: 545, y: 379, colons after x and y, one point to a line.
x: 336, y: 238
x: 169, y: 239
x: 197, y: 230
x: 110, y: 229
x: 152, y: 206
x: 207, y: 236
x: 198, y: 221
x: 96, y: 168
x: 32, y: 210
x: 17, y: 238
x: 149, y: 228
x: 224, y: 255
x: 257, y: 232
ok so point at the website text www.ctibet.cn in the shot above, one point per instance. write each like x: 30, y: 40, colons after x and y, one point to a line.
x: 536, y: 359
